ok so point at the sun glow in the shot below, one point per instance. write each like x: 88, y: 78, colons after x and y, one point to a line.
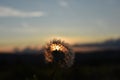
x: 57, y: 47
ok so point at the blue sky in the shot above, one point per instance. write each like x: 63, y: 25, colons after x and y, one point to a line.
x: 33, y: 22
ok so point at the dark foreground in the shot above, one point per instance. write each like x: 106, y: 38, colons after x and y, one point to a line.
x: 99, y: 65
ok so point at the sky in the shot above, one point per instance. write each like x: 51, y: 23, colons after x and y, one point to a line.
x: 34, y: 22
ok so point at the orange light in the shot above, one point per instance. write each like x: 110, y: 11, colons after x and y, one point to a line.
x: 55, y: 47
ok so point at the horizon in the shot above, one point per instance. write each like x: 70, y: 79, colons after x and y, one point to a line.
x: 110, y: 44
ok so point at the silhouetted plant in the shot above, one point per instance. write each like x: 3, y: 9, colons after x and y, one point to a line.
x: 58, y: 52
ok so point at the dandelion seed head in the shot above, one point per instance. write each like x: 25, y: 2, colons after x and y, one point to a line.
x: 59, y: 52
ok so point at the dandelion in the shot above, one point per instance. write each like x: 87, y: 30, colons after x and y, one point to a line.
x: 58, y: 52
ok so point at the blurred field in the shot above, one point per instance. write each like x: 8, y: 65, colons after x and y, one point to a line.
x: 99, y: 65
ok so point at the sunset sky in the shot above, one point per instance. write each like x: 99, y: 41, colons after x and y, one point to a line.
x: 33, y: 22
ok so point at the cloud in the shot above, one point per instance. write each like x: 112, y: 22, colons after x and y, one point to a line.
x: 11, y: 12
x: 63, y: 3
x: 111, y: 43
